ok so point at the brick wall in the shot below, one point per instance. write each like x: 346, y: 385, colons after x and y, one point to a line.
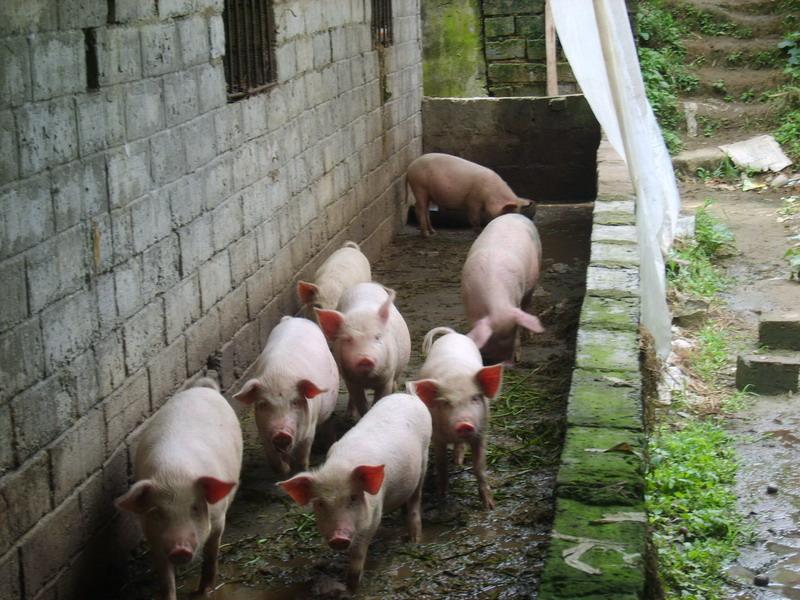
x: 146, y: 225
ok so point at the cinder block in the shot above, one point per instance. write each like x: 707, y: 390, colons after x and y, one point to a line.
x: 79, y: 191
x: 80, y: 14
x: 144, y: 335
x: 180, y: 97
x: 160, y: 267
x: 160, y: 49
x: 254, y: 116
x: 174, y: 8
x: 498, y: 26
x: 277, y: 112
x: 144, y: 108
x: 215, y: 280
x: 109, y: 355
x: 128, y: 287
x: 133, y: 10
x: 22, y: 357
x: 128, y: 173
x: 193, y: 35
x: 505, y: 49
x: 101, y: 120
x: 259, y: 290
x: 48, y: 134
x: 199, y: 141
x: 244, y: 258
x: 769, y: 374
x: 115, y: 472
x: 216, y: 34
x: 780, y: 331
x: 7, y: 459
x: 96, y: 510
x: 80, y: 451
x: 604, y: 350
x: 212, y: 86
x: 218, y: 181
x: 321, y: 48
x: 202, y: 339
x: 286, y: 57
x: 105, y: 292
x: 232, y: 313
x: 15, y: 78
x: 25, y: 17
x: 81, y: 376
x: 24, y: 499
x: 68, y: 327
x: 268, y: 238
x: 226, y: 223
x: 40, y: 414
x: 126, y: 408
x: 121, y: 235
x: 621, y: 282
x: 167, y: 372
x: 214, y: 6
x: 119, y: 54
x: 197, y: 243
x: 228, y: 125
x: 14, y: 300
x: 59, y: 64
x: 9, y: 158
x: 167, y: 155
x: 247, y: 345
x: 57, y: 267
x: 182, y: 306
x: 10, y: 576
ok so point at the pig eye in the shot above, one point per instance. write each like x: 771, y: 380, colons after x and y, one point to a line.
x: 195, y: 509
x: 353, y: 498
x: 378, y: 337
x: 478, y: 398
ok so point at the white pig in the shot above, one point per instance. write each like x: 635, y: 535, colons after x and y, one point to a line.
x: 370, y: 340
x: 294, y: 391
x: 186, y: 466
x: 498, y: 278
x: 376, y: 467
x: 341, y: 270
x: 454, y: 183
x: 457, y: 389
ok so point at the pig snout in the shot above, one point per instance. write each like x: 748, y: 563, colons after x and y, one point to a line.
x: 340, y: 540
x: 365, y: 364
x: 180, y: 554
x: 465, y: 429
x: 282, y: 441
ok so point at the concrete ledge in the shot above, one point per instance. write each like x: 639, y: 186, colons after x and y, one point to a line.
x: 774, y: 373
x: 605, y: 399
x: 605, y: 350
x: 780, y: 330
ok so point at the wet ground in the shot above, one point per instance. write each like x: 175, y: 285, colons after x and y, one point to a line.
x: 272, y: 550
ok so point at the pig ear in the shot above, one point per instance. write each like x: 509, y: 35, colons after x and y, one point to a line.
x: 299, y: 488
x: 426, y: 389
x: 528, y: 321
x: 308, y: 390
x: 385, y: 310
x: 249, y: 392
x: 510, y: 207
x: 489, y: 379
x: 330, y: 321
x: 481, y: 332
x: 138, y: 498
x: 523, y: 202
x: 213, y: 489
x: 369, y: 478
x: 306, y: 292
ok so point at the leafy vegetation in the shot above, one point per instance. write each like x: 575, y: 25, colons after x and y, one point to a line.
x: 692, y: 509
x: 788, y: 133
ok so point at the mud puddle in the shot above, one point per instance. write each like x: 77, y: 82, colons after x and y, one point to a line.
x: 272, y: 550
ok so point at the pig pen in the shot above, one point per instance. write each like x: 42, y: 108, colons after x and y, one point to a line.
x: 271, y: 548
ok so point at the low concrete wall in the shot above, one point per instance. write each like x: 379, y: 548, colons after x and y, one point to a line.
x: 545, y: 148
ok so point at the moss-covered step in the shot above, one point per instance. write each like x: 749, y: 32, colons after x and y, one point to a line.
x: 613, y: 553
x: 602, y: 466
x: 605, y: 254
x: 605, y: 399
x: 619, y: 314
x: 606, y: 350
x: 614, y: 234
x: 616, y: 282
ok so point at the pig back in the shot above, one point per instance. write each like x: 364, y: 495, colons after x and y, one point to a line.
x: 195, y: 434
x: 343, y: 269
x: 396, y: 432
x: 452, y: 354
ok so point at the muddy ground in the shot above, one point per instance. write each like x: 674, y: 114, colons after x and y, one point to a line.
x: 271, y: 547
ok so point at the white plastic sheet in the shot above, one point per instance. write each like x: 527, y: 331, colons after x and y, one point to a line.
x: 634, y: 134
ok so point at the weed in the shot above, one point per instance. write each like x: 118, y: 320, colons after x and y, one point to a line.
x: 719, y: 87
x: 707, y: 125
x: 692, y: 509
x: 788, y: 134
x: 724, y: 171
x: 711, y: 355
x: 710, y: 24
x: 735, y: 58
x: 748, y: 95
x: 767, y: 59
x: 791, y: 47
x: 739, y: 400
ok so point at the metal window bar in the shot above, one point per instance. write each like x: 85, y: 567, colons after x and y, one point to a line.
x: 249, y: 42
x: 382, y: 22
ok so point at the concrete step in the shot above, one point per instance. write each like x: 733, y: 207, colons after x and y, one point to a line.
x: 689, y: 161
x: 722, y: 82
x: 733, y: 53
x: 779, y: 331
x: 768, y: 374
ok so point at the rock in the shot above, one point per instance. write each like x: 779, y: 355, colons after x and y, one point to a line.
x: 690, y: 313
x: 772, y: 489
x: 761, y: 580
x: 779, y: 180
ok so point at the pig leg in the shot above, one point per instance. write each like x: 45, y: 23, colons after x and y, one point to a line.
x: 208, y: 571
x: 440, y: 458
x: 384, y: 390
x: 302, y: 454
x: 357, y: 404
x: 414, y: 507
x: 474, y: 216
x: 479, y: 468
x: 458, y: 453
x: 421, y: 210
x: 166, y: 577
x: 358, y: 554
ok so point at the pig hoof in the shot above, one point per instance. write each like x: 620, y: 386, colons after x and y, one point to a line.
x: 488, y: 501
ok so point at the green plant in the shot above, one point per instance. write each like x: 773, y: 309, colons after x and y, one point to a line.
x: 725, y: 171
x: 739, y: 400
x: 711, y: 355
x: 709, y: 23
x: 788, y: 134
x: 719, y: 87
x: 735, y: 58
x: 748, y: 95
x: 708, y: 125
x: 791, y: 47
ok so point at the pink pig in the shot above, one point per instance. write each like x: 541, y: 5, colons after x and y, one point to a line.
x: 370, y: 340
x: 457, y: 389
x: 294, y: 392
x: 455, y: 183
x: 342, y: 269
x: 498, y: 277
x: 376, y: 467
x: 186, y: 466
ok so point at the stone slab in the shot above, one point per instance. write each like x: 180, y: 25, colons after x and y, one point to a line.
x: 768, y: 374
x: 605, y: 399
x: 780, y: 330
x: 605, y: 350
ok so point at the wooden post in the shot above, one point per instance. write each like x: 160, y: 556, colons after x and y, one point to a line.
x: 550, y: 50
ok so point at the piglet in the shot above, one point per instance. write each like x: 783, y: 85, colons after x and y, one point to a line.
x: 497, y: 279
x: 186, y: 467
x: 294, y: 391
x: 454, y: 183
x: 376, y: 467
x: 370, y: 340
x: 457, y: 389
x: 344, y: 268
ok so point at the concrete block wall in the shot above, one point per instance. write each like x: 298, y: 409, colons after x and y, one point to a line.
x: 147, y: 225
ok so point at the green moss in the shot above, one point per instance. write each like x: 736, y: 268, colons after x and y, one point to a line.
x: 620, y: 314
x: 605, y: 400
x: 608, y: 350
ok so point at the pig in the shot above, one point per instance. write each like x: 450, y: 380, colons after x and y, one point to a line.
x: 377, y: 466
x: 342, y: 269
x: 186, y: 465
x: 497, y: 279
x: 371, y: 342
x: 454, y: 183
x: 457, y: 389
x: 294, y: 392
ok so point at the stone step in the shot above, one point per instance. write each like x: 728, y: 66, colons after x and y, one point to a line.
x: 689, y: 161
x: 768, y: 374
x: 779, y: 331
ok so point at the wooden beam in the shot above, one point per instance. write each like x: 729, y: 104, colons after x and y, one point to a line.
x: 550, y: 50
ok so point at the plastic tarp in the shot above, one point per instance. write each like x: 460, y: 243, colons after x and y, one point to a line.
x: 633, y: 132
